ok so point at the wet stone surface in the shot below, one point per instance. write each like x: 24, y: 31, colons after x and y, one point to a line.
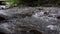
x: 28, y: 20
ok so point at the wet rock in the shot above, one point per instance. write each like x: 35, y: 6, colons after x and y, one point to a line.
x: 3, y: 7
x: 35, y: 32
x: 2, y: 18
x: 58, y: 17
x: 46, y: 13
x: 40, y: 9
x: 2, y: 33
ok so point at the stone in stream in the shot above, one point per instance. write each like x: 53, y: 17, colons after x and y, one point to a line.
x: 2, y: 33
x: 2, y: 18
x: 58, y: 17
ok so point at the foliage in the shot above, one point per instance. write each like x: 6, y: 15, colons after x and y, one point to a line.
x: 12, y: 2
x: 33, y: 2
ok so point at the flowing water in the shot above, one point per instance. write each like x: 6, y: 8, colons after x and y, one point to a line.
x: 43, y: 19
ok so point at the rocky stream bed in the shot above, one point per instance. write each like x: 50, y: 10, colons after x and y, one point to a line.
x: 30, y: 20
